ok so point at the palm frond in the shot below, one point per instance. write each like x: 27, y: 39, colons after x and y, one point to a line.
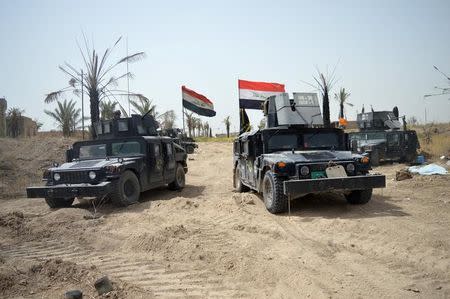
x: 132, y: 58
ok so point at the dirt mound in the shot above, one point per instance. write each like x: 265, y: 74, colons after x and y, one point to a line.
x: 53, y: 277
x: 161, y: 240
x: 23, y: 160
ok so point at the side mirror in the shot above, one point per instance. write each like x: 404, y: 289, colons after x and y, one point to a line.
x: 69, y: 155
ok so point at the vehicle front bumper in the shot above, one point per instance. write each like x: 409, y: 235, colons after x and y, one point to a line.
x: 73, y: 190
x: 295, y: 188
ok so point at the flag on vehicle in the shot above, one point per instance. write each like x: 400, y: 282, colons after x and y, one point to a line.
x: 197, y: 103
x: 253, y: 94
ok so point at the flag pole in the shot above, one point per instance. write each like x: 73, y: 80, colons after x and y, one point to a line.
x: 182, y: 113
x: 240, y: 113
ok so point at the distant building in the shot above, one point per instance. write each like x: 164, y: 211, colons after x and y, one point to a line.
x: 3, y: 107
x: 26, y: 127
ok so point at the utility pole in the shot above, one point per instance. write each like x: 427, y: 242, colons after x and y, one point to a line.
x: 128, y: 84
x: 82, y: 104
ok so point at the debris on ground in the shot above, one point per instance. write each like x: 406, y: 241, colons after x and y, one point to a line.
x: 103, y: 285
x: 402, y: 175
x: 429, y: 169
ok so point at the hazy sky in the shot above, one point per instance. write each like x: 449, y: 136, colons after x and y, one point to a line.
x: 384, y: 50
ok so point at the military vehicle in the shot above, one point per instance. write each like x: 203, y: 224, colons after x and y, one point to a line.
x: 182, y: 139
x: 382, y: 137
x: 127, y: 158
x: 294, y: 156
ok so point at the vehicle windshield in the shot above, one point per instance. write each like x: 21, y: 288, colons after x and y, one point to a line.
x: 321, y: 140
x: 368, y: 136
x: 283, y: 142
x: 376, y: 135
x: 127, y: 148
x: 93, y: 151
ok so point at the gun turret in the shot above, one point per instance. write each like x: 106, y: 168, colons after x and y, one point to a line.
x: 302, y: 110
x: 136, y: 125
x: 378, y: 120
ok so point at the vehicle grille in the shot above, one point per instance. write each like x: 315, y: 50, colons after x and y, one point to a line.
x: 74, y: 177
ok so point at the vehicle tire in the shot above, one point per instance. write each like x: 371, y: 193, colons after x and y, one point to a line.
x: 237, y: 182
x: 126, y: 190
x: 375, y: 158
x: 55, y: 203
x: 274, y: 198
x: 359, y: 197
x: 180, y: 178
x: 189, y: 149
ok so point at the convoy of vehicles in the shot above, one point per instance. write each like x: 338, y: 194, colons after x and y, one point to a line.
x: 294, y: 155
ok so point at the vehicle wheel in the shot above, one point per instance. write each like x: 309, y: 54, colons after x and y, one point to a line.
x: 55, y: 203
x: 237, y: 182
x: 375, y: 158
x: 359, y: 197
x: 189, y: 149
x: 180, y: 178
x: 274, y: 198
x: 126, y: 190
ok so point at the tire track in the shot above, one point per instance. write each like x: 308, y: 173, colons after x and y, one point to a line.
x: 176, y: 281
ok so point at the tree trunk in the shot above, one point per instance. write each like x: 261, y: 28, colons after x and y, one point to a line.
x: 228, y: 131
x: 326, y: 109
x: 95, y: 111
x: 341, y: 110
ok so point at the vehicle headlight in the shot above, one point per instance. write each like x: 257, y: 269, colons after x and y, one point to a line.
x: 350, y: 167
x: 304, y: 170
x: 92, y: 175
x: 56, y: 176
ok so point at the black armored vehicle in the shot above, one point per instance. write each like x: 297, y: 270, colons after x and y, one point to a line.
x: 127, y: 158
x: 182, y: 139
x: 382, y: 137
x: 295, y: 156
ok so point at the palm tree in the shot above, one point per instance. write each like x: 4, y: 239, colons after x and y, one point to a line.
x: 206, y: 129
x: 107, y: 109
x: 66, y: 116
x: 227, y: 123
x: 342, y: 97
x: 199, y: 127
x: 190, y: 122
x: 324, y: 83
x: 96, y: 79
x: 143, y: 105
x: 13, y: 117
x: 168, y: 119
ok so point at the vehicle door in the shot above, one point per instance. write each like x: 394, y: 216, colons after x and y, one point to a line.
x: 156, y: 162
x: 393, y: 142
x: 249, y: 161
x: 169, y: 161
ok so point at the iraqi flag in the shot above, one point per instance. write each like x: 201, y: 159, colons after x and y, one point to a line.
x: 253, y: 94
x: 197, y: 103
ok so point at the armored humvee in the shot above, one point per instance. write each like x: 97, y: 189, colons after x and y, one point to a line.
x: 182, y: 139
x: 127, y: 158
x: 382, y: 137
x: 295, y: 156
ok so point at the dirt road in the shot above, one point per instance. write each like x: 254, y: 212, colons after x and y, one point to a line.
x: 208, y: 241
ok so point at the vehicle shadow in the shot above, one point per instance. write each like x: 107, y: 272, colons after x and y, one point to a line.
x: 332, y: 206
x: 145, y: 201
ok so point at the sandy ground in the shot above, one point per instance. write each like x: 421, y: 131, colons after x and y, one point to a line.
x: 208, y: 241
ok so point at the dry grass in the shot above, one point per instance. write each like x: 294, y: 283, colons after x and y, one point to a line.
x: 434, y: 139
